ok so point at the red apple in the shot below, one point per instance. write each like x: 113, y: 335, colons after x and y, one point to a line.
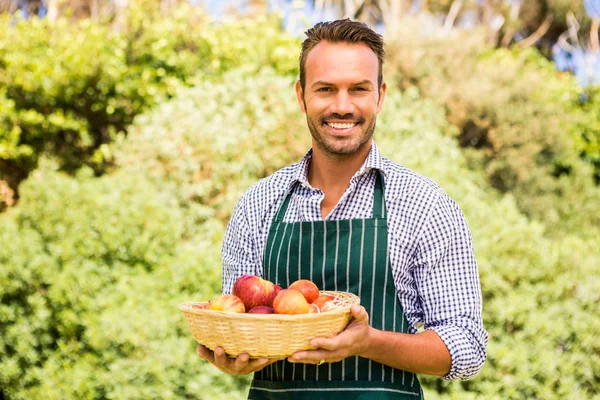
x: 201, y: 306
x: 261, y: 310
x: 324, y: 302
x: 309, y: 290
x: 227, y: 302
x: 290, y: 301
x: 255, y: 291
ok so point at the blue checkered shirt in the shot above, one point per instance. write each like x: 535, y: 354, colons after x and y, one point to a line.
x: 429, y: 243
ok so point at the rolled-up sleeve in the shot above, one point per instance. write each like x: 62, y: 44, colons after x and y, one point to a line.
x: 449, y: 289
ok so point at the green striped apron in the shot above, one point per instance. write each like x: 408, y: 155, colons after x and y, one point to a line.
x: 347, y: 255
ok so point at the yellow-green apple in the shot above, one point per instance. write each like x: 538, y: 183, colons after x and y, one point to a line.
x: 261, y: 310
x: 290, y: 301
x: 324, y: 302
x: 227, y: 302
x: 255, y: 291
x: 309, y: 290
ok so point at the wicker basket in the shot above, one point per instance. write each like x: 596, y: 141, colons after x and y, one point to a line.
x: 266, y: 335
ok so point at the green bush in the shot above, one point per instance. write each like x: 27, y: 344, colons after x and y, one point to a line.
x: 588, y: 142
x: 90, y: 287
x: 57, y: 100
x: 218, y: 138
x: 521, y: 120
x: 539, y: 292
x: 64, y: 102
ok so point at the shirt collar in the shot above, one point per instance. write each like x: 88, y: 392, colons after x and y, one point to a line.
x: 373, y: 161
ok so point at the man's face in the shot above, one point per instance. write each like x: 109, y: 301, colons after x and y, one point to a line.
x: 341, y: 98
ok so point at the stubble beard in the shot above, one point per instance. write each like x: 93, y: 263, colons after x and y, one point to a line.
x: 337, y: 148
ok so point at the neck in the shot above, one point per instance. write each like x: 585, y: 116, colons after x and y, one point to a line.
x: 332, y: 173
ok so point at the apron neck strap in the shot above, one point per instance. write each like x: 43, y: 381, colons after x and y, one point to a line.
x: 379, y: 209
x: 284, y: 206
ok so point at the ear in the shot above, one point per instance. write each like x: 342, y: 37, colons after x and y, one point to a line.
x: 382, y: 91
x: 300, y: 96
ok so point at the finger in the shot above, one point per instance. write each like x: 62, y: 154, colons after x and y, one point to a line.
x: 244, y: 365
x: 257, y: 365
x: 308, y: 357
x: 359, y: 313
x: 324, y: 343
x: 241, y: 363
x: 205, y: 353
x: 221, y: 360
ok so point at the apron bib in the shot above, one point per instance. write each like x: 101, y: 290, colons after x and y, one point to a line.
x: 345, y: 255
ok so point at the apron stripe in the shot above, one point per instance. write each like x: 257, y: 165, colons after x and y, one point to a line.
x: 383, y: 320
x: 372, y: 308
x: 362, y: 252
x: 373, y: 278
x: 312, y: 248
x: 279, y: 252
x: 287, y: 263
x: 268, y: 271
x: 335, y: 261
x: 324, y: 254
x: 349, y: 245
x: 394, y: 330
x: 300, y: 251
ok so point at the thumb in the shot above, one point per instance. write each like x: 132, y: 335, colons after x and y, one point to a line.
x: 359, y: 313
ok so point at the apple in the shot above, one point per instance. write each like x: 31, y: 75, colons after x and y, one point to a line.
x: 309, y: 290
x: 324, y: 302
x: 290, y: 301
x: 227, y: 302
x: 255, y: 291
x: 261, y: 310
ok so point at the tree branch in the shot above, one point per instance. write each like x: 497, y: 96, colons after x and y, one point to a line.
x: 535, y: 36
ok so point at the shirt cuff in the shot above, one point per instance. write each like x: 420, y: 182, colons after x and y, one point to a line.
x: 466, y: 350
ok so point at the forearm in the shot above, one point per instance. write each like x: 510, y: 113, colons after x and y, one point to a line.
x: 421, y: 353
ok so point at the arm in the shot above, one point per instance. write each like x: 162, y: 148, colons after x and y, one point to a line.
x: 423, y: 353
x: 447, y: 282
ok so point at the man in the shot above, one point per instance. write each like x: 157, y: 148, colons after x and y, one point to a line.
x: 349, y: 219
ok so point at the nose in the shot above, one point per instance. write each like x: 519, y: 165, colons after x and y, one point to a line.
x: 342, y: 103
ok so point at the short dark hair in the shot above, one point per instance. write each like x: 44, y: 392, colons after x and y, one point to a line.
x: 342, y: 31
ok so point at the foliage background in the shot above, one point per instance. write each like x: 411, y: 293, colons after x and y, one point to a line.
x: 125, y: 168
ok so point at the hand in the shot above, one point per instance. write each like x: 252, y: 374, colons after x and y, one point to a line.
x: 242, y: 365
x: 350, y: 342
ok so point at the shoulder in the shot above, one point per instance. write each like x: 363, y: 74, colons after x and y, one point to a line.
x: 416, y: 199
x: 268, y: 192
x: 402, y: 183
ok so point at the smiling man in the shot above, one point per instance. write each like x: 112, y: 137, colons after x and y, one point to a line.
x: 349, y: 219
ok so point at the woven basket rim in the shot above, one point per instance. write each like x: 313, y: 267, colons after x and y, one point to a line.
x: 188, y: 308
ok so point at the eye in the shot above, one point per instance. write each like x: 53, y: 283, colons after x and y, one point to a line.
x: 324, y: 89
x: 361, y: 89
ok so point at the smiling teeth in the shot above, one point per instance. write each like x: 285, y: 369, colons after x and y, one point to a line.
x: 340, y: 126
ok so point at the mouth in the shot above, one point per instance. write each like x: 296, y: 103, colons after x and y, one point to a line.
x: 341, y: 128
x: 338, y: 125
